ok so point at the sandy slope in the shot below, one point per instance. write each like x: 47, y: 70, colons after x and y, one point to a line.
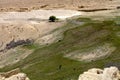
x: 21, y: 31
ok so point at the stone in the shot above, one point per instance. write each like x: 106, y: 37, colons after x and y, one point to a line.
x: 111, y: 73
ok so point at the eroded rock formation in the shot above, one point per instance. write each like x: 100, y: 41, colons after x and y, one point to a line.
x: 13, y: 75
x: 111, y: 73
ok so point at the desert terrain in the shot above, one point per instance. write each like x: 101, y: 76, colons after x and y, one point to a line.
x: 85, y: 35
x: 25, y: 5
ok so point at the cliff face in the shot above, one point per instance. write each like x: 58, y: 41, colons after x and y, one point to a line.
x: 111, y: 73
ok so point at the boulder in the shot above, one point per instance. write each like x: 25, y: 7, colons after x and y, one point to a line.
x: 111, y: 73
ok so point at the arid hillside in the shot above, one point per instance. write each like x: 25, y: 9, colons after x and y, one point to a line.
x: 25, y: 5
x: 83, y: 35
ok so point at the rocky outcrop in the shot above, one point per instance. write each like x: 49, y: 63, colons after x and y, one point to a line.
x: 13, y: 75
x: 111, y: 73
x: 13, y: 44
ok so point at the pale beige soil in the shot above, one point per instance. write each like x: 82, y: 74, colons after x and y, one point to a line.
x: 26, y: 5
x: 90, y: 55
x: 36, y: 15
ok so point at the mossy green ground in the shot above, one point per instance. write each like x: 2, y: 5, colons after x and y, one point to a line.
x: 48, y: 63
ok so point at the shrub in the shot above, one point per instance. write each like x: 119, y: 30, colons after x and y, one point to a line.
x: 52, y: 18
